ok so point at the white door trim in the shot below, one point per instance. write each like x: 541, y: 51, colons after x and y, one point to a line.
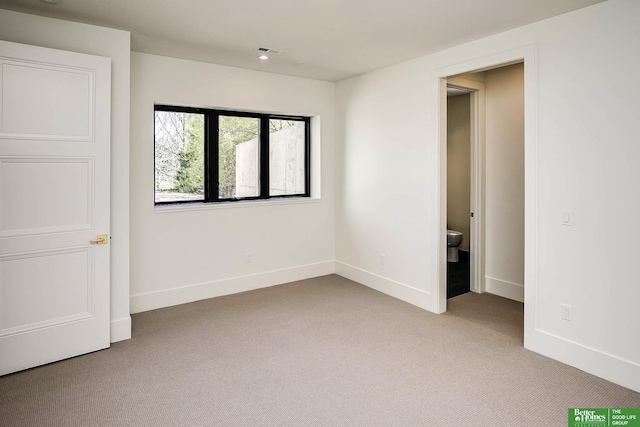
x: 439, y: 81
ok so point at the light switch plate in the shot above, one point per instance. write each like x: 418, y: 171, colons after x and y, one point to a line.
x: 567, y: 217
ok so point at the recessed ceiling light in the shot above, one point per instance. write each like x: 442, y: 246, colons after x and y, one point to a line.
x: 263, y: 57
x: 50, y: 1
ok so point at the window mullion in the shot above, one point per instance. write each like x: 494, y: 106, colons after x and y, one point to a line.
x: 264, y: 157
x: 307, y: 155
x: 213, y: 156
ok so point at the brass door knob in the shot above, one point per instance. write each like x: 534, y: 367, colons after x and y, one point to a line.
x: 102, y: 239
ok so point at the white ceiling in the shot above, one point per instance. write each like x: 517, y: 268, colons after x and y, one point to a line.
x: 321, y: 39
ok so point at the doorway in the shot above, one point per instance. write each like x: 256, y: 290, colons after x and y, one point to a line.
x: 485, y: 184
x: 467, y: 213
x: 458, y: 190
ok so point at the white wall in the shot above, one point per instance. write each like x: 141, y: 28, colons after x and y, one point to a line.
x: 582, y: 152
x: 459, y: 166
x: 114, y: 44
x: 504, y: 207
x: 180, y: 255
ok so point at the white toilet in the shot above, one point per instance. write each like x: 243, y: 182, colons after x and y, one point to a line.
x: 454, y: 238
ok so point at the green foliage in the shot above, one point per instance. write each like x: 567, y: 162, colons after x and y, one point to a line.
x: 190, y: 175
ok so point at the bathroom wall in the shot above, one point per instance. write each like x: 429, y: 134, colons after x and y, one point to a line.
x: 459, y: 165
x: 504, y: 197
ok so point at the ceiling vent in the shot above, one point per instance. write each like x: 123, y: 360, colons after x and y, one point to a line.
x: 269, y: 50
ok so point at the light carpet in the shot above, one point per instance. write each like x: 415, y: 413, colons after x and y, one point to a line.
x: 318, y: 352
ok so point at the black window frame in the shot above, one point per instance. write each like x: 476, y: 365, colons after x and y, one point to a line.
x: 211, y: 153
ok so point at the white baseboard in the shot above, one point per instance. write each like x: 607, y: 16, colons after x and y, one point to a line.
x: 200, y: 291
x: 392, y: 288
x: 504, y: 289
x: 121, y: 329
x: 595, y: 362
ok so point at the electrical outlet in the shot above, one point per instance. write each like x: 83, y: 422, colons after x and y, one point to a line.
x: 248, y: 258
x: 383, y: 259
x: 565, y: 312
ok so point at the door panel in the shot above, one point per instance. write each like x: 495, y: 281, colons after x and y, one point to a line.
x: 22, y: 279
x: 67, y: 195
x: 59, y: 99
x: 54, y: 201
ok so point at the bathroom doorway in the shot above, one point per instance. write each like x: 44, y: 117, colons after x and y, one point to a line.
x: 485, y: 180
x: 465, y: 181
x: 458, y: 190
x: 524, y: 290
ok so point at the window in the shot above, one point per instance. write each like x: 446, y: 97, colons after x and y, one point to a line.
x: 204, y: 155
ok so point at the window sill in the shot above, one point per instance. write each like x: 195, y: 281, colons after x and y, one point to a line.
x: 185, y: 207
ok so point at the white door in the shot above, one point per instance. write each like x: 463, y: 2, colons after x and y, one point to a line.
x: 54, y: 200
